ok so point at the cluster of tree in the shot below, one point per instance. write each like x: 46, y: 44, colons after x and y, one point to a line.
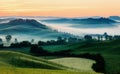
x: 60, y: 41
x: 8, y: 39
x: 39, y: 51
x: 21, y: 44
x: 105, y: 36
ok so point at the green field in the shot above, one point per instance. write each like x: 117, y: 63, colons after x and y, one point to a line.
x: 77, y: 63
x: 110, y: 50
x: 6, y: 70
x: 19, y: 63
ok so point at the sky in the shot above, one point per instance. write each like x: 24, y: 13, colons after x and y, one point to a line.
x: 59, y: 8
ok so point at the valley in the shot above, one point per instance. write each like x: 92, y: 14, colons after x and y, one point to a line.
x: 49, y: 47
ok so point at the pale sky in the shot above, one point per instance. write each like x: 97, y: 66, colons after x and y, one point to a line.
x: 61, y: 8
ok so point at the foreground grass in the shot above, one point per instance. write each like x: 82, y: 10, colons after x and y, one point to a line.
x: 13, y: 70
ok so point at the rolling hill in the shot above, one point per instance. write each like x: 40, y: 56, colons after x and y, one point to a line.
x: 29, y: 27
x: 26, y: 61
x: 110, y: 50
x: 115, y: 17
x: 84, y: 22
x: 15, y: 62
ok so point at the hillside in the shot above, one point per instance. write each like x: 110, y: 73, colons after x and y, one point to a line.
x: 110, y: 50
x: 115, y: 17
x: 26, y: 61
x: 15, y: 62
x: 21, y: 26
x: 29, y: 28
x: 83, y: 22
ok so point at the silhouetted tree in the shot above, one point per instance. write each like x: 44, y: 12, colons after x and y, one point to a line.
x: 72, y: 40
x: 16, y: 45
x: 32, y: 41
x: 110, y: 37
x: 106, y: 36
x: 16, y: 41
x: 8, y: 38
x: 1, y: 43
x: 99, y: 66
x: 59, y: 38
x: 41, y: 43
x: 25, y: 44
x: 98, y: 37
x: 88, y: 37
x: 116, y: 37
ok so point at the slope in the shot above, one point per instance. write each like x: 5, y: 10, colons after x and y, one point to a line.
x: 15, y: 62
x: 26, y: 61
x: 110, y: 50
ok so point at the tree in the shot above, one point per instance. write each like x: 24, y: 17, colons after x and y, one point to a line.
x: 25, y: 44
x: 32, y: 41
x: 8, y: 38
x: 41, y: 43
x: 101, y: 37
x: 116, y: 37
x: 88, y: 37
x: 16, y: 41
x: 106, y: 36
x: 110, y: 37
x: 1, y: 43
x: 60, y: 40
x: 98, y: 37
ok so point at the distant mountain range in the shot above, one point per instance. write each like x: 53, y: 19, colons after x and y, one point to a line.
x: 29, y: 27
x: 115, y: 17
x: 82, y: 21
x: 32, y: 27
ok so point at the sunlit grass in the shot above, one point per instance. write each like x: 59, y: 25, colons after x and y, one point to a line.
x: 6, y: 67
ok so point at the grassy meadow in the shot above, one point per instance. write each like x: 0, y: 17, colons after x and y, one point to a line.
x: 110, y: 50
x: 76, y: 63
x: 20, y: 63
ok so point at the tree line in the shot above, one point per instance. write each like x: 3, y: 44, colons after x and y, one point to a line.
x: 60, y: 40
x: 99, y: 66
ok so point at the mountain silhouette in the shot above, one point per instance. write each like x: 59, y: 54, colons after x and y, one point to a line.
x: 82, y: 21
x: 21, y: 26
x: 29, y: 27
x: 115, y: 17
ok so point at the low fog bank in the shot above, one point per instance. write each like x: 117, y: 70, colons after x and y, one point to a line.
x: 25, y: 38
x: 115, y: 30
